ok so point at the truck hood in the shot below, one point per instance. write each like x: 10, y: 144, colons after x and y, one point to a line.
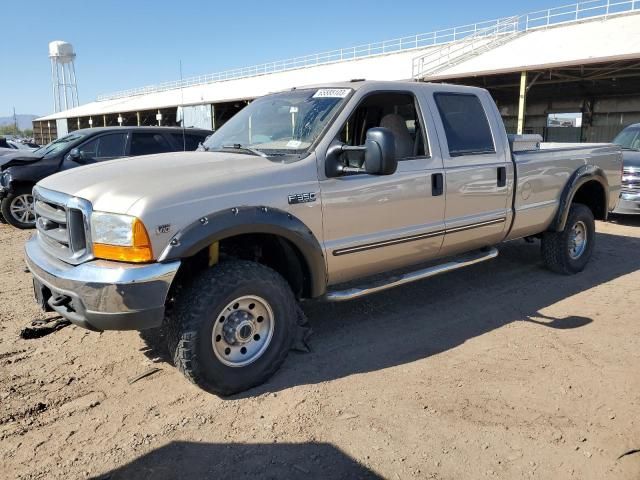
x: 630, y: 158
x: 115, y: 186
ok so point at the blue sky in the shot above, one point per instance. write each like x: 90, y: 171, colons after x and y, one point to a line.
x: 125, y: 44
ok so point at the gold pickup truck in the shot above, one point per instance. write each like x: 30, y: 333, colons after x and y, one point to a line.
x: 329, y: 192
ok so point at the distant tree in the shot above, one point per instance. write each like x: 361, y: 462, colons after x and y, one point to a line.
x: 12, y: 130
x: 9, y: 130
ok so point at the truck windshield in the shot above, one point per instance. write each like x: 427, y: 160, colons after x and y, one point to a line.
x: 629, y: 138
x: 280, y: 124
x: 57, y: 145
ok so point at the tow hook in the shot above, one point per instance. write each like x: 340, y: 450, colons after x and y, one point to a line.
x: 60, y: 301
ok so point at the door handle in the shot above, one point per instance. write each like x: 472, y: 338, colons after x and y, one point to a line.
x: 502, y: 176
x: 437, y: 184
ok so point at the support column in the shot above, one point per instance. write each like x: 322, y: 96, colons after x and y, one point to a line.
x: 64, y: 87
x: 78, y: 123
x: 104, y: 120
x: 138, y: 117
x: 522, y: 102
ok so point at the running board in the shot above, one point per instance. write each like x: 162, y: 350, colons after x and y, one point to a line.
x: 395, y: 281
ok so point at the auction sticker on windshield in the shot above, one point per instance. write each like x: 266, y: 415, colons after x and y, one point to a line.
x: 332, y: 93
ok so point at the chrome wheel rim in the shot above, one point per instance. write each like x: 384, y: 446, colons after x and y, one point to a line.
x: 577, y: 240
x: 243, y: 331
x: 21, y: 208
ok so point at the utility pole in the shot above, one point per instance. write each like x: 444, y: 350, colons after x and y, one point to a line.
x: 15, y: 121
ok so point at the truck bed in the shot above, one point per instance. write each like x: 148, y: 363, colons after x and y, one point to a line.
x: 541, y: 175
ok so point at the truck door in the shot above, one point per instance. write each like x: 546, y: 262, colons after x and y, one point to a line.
x: 476, y: 171
x: 377, y: 223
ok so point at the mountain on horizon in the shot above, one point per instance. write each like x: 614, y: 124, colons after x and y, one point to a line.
x: 24, y: 120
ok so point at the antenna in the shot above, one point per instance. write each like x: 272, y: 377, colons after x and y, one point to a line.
x: 184, y: 140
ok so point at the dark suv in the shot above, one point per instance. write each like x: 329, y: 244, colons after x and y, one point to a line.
x: 20, y: 171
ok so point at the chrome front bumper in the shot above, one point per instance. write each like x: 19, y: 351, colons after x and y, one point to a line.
x: 101, y: 295
x: 629, y: 203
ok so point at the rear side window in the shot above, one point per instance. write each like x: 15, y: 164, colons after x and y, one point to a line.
x: 191, y: 141
x: 148, y: 143
x: 465, y: 124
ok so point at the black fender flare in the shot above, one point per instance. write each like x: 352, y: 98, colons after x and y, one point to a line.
x: 246, y: 220
x: 582, y: 175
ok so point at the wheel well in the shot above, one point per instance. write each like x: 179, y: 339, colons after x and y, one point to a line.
x: 592, y: 194
x: 270, y: 250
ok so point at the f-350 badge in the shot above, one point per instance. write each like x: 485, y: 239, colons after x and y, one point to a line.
x: 302, y: 198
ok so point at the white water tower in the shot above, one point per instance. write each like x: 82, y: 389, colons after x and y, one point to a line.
x: 63, y: 75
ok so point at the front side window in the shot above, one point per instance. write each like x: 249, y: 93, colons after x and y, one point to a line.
x: 394, y: 111
x: 465, y: 124
x: 113, y: 145
x: 147, y: 143
x: 90, y: 149
x: 104, y: 147
x: 280, y: 124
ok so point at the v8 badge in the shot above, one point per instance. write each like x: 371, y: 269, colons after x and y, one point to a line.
x: 161, y: 229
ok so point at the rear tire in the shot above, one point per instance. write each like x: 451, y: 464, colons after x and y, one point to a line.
x: 232, y: 327
x: 17, y: 208
x: 568, y: 252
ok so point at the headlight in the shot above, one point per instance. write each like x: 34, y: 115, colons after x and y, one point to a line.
x: 120, y: 237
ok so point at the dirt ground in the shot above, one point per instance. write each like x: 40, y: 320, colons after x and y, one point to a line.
x: 502, y: 370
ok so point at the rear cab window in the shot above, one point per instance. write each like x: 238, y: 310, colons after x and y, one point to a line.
x: 465, y: 124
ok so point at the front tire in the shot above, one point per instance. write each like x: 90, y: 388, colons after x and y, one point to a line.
x: 18, y: 208
x: 232, y: 327
x: 568, y: 252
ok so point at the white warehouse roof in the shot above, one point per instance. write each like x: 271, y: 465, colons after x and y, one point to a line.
x: 598, y: 38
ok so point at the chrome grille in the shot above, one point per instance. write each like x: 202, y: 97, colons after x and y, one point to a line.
x: 631, y: 180
x: 63, y: 225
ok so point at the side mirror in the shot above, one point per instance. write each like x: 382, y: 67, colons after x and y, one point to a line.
x: 380, y: 152
x: 75, y: 155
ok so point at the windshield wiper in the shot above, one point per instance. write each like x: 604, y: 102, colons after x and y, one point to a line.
x: 629, y: 149
x: 237, y: 146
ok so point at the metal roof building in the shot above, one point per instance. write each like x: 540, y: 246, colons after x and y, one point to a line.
x: 582, y: 58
